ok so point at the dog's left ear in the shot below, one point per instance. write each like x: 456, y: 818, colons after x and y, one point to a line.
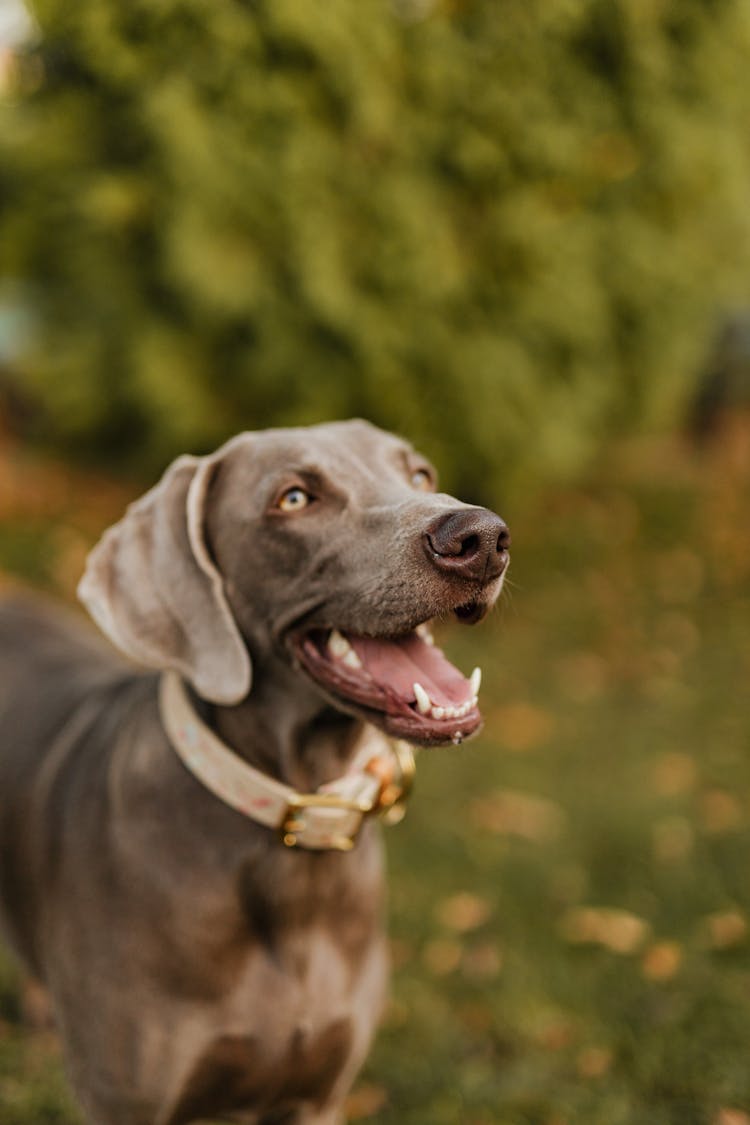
x: 153, y: 588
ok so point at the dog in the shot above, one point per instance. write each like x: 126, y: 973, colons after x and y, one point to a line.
x: 188, y: 860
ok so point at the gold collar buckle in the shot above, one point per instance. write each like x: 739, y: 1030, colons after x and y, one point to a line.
x: 396, y: 782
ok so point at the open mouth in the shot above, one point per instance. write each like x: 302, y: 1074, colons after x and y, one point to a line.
x: 404, y: 684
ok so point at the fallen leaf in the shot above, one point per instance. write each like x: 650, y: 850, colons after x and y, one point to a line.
x: 365, y: 1100
x: 463, y: 912
x: 674, y: 774
x: 583, y: 676
x: 730, y: 1116
x: 521, y: 726
x: 662, y: 960
x: 672, y: 839
x: 442, y: 956
x: 555, y: 1035
x: 617, y: 930
x: 724, y: 929
x: 482, y: 962
x: 720, y: 812
x: 511, y: 812
x: 477, y: 1017
x: 592, y: 1062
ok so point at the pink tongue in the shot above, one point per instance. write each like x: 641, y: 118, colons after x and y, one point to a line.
x: 398, y: 663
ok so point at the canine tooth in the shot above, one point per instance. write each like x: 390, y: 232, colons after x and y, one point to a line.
x: 351, y: 659
x: 438, y: 712
x: 338, y: 644
x: 422, y: 698
x: 423, y: 631
x: 475, y: 679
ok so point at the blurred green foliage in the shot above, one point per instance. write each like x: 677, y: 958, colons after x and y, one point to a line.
x: 505, y: 227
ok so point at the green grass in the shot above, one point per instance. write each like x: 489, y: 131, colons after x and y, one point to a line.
x: 613, y: 774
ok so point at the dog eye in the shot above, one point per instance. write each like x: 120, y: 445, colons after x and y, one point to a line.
x: 422, y: 479
x: 294, y: 499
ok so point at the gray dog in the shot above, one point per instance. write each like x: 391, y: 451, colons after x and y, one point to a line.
x: 207, y: 920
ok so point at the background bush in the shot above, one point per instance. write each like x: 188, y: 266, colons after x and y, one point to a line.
x: 502, y: 226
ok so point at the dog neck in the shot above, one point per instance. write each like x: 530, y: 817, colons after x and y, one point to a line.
x: 287, y: 730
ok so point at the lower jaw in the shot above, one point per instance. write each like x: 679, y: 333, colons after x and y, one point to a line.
x: 411, y: 730
x: 407, y: 724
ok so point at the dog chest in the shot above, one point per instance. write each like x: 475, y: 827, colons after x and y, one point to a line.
x: 237, y: 1073
x: 291, y: 1025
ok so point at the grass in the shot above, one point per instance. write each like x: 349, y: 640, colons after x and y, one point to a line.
x: 570, y: 894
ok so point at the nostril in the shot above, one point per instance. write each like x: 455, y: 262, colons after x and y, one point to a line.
x: 503, y: 540
x: 469, y: 546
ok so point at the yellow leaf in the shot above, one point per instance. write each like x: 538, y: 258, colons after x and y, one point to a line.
x: 725, y: 929
x: 662, y: 960
x: 672, y: 839
x: 720, y: 812
x: 463, y: 912
x: 510, y: 812
x: 442, y: 956
x: 365, y: 1100
x: 522, y: 726
x: 674, y: 774
x: 592, y: 1062
x: 730, y: 1116
x: 617, y: 930
x: 482, y: 962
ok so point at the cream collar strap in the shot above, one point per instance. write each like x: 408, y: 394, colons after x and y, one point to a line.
x: 377, y: 782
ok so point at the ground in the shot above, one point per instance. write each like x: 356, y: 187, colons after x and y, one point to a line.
x: 570, y: 893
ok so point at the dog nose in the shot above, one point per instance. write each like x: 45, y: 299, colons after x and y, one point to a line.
x: 470, y: 543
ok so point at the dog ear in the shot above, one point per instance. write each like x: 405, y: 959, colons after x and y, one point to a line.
x: 153, y: 588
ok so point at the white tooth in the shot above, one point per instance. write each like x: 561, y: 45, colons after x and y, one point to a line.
x: 475, y: 680
x: 422, y: 698
x: 423, y: 631
x: 351, y: 659
x: 474, y: 701
x: 438, y: 712
x: 338, y: 644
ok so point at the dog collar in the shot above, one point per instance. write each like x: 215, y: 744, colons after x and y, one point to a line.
x: 378, y: 781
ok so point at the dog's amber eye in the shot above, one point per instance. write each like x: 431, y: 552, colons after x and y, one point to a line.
x: 422, y: 479
x: 294, y: 499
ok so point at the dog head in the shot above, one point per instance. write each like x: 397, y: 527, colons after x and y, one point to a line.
x: 329, y: 545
